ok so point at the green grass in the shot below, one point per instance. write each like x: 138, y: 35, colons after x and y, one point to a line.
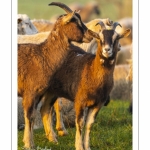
x: 112, y: 130
x: 39, y: 9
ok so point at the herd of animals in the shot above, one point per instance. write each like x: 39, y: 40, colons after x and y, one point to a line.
x: 73, y: 58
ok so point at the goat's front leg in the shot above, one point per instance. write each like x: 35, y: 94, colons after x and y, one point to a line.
x: 46, y: 113
x: 91, y: 115
x: 29, y: 116
x: 59, y: 120
x: 80, y: 121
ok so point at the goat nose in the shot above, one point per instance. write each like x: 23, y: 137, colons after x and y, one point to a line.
x: 107, y: 49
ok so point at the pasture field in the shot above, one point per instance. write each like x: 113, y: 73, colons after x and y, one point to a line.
x: 39, y: 9
x: 112, y: 130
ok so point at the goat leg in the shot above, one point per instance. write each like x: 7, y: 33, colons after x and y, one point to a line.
x: 59, y: 120
x: 80, y: 121
x: 91, y: 115
x: 46, y: 113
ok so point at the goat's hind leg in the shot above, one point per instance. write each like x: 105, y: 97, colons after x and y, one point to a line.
x: 91, y: 115
x: 59, y: 120
x: 46, y: 114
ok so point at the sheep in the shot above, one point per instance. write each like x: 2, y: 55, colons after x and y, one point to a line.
x: 87, y: 80
x: 43, y: 25
x: 38, y: 62
x: 25, y: 25
x: 126, y: 23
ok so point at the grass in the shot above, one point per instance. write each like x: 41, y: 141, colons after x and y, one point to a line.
x: 112, y: 130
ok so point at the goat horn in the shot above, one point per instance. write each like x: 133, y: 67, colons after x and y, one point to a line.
x: 63, y: 6
x: 101, y: 24
x: 115, y: 25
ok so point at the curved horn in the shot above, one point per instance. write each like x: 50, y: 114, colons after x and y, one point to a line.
x: 61, y: 5
x: 101, y: 24
x: 115, y: 25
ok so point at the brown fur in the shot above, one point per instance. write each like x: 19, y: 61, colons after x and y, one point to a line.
x: 38, y: 62
x: 87, y: 81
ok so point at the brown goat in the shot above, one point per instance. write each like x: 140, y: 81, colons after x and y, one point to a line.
x: 26, y: 27
x: 38, y: 62
x: 87, y: 80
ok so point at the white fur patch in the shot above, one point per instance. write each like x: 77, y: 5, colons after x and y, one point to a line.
x: 79, y: 54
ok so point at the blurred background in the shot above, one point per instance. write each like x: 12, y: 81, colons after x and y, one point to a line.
x: 39, y: 9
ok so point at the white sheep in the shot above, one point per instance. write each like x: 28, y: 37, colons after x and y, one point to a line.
x: 25, y: 25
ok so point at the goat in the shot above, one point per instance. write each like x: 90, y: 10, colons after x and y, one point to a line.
x: 25, y: 25
x: 39, y: 38
x: 38, y: 62
x: 92, y: 46
x: 87, y: 80
x: 87, y: 47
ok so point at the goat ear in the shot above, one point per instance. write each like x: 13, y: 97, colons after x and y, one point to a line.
x: 125, y: 34
x: 93, y: 34
x: 68, y: 17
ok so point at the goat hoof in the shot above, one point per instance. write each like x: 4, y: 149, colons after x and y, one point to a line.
x: 52, y: 139
x: 62, y: 133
